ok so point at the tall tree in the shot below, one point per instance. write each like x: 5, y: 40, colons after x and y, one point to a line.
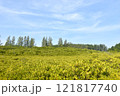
x: 28, y: 41
x: 60, y: 42
x: 50, y: 41
x: 8, y: 42
x: 13, y: 41
x: 103, y: 47
x: 20, y: 41
x: 115, y: 48
x: 44, y: 42
x: 32, y: 42
x: 65, y: 42
x: 25, y: 41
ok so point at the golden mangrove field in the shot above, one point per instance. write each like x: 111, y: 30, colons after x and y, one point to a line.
x: 58, y: 64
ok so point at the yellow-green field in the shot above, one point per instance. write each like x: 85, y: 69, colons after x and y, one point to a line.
x: 92, y: 65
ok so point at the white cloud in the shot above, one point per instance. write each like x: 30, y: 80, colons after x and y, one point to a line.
x: 61, y: 6
x: 7, y: 10
x: 55, y: 22
x: 29, y: 24
x: 40, y: 32
x: 88, y: 29
x: 94, y: 29
x: 107, y: 28
x: 69, y: 17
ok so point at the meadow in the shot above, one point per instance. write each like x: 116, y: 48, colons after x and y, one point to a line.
x: 61, y: 63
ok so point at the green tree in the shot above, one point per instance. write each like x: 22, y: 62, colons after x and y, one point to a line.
x: 32, y: 42
x: 65, y: 43
x: 115, y: 48
x: 20, y: 41
x: 28, y: 41
x: 13, y: 41
x: 50, y: 41
x: 25, y: 41
x: 60, y: 42
x: 102, y: 47
x: 44, y: 42
x: 8, y: 42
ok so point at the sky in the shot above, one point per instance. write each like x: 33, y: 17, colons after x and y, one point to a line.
x: 78, y: 21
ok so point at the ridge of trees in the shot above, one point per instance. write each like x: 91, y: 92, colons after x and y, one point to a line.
x: 115, y: 48
x: 100, y: 47
x: 22, y: 41
x: 26, y: 41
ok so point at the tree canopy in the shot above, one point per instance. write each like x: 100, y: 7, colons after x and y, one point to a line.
x: 26, y: 41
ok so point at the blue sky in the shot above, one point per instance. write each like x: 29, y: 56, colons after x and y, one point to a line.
x: 78, y: 21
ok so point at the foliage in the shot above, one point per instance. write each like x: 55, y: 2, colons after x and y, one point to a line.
x: 13, y: 41
x: 100, y: 47
x: 60, y: 42
x: 32, y: 42
x: 43, y: 51
x: 22, y: 41
x: 44, y: 42
x: 63, y: 63
x: 115, y: 48
x: 26, y: 41
x: 50, y: 41
x: 65, y: 43
x: 8, y: 42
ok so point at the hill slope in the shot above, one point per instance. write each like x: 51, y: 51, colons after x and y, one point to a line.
x: 44, y: 51
x: 51, y: 63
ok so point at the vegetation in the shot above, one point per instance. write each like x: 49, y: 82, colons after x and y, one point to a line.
x: 0, y: 41
x: 22, y: 41
x: 115, y: 48
x: 65, y: 61
x: 26, y: 41
x: 57, y: 63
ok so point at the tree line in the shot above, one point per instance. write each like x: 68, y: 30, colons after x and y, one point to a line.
x: 26, y: 41
x: 100, y: 47
x: 115, y: 48
x: 48, y: 42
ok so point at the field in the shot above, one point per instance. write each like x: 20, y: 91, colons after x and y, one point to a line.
x: 58, y: 64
